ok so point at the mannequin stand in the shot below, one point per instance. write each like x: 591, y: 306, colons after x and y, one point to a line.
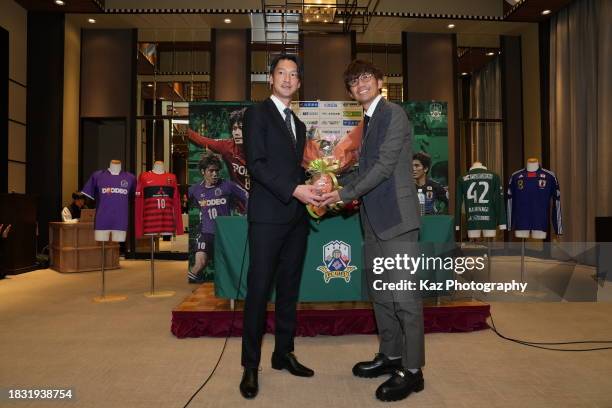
x: 528, y: 292
x: 489, y: 241
x: 152, y: 293
x: 103, y: 298
x: 523, y: 260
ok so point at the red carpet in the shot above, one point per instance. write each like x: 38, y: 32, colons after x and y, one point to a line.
x: 328, y: 322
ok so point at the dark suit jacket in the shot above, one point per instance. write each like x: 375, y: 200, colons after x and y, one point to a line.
x: 384, y: 180
x: 274, y: 164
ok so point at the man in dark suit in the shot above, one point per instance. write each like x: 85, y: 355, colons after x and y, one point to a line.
x: 274, y: 140
x: 390, y: 220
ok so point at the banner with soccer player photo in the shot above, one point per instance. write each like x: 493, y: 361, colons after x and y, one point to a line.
x: 430, y: 154
x: 218, y: 178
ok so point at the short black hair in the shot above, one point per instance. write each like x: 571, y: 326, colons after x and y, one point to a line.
x: 424, y: 158
x: 78, y: 196
x: 358, y: 67
x: 289, y: 57
x: 209, y: 160
x: 236, y: 117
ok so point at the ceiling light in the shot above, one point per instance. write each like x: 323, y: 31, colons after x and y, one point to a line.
x: 325, y: 21
x: 451, y: 26
x: 490, y: 53
x: 91, y: 21
x: 341, y: 22
x: 464, y: 73
x: 545, y: 12
x: 150, y: 85
x: 308, y: 20
x: 59, y: 2
x: 227, y: 21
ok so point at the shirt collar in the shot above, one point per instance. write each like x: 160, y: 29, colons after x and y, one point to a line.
x: 373, y: 105
x: 279, y: 105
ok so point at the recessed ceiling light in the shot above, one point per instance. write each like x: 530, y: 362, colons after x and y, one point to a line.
x: 490, y: 53
x: 464, y: 73
x: 451, y: 26
x: 150, y: 85
x: 227, y: 21
x: 325, y: 21
x: 161, y: 97
x: 341, y: 22
x: 308, y: 20
x: 91, y: 21
x: 545, y: 12
x: 59, y: 2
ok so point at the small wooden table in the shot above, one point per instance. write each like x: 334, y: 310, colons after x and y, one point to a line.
x: 73, y: 248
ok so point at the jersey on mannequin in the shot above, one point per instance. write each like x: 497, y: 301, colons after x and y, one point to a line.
x: 481, y: 191
x: 530, y: 192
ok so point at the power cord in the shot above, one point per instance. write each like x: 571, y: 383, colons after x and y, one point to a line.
x: 541, y: 345
x: 229, y: 334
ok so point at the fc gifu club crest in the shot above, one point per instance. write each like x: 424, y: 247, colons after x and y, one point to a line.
x: 336, y: 261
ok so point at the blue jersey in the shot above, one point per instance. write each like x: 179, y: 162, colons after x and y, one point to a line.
x: 529, y: 196
x: 215, y: 201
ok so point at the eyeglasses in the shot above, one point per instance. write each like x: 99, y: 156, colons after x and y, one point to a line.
x: 365, y: 77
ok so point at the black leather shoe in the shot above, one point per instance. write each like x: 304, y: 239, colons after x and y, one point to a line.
x: 377, y: 367
x: 400, y: 385
x: 289, y: 362
x: 249, y: 385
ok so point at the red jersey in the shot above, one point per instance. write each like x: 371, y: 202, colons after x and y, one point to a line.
x: 158, y: 205
x: 232, y: 154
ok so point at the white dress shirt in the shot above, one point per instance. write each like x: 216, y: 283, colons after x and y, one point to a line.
x: 373, y: 105
x: 281, y: 108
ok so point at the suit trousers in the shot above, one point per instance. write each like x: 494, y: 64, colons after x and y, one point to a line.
x: 276, y: 251
x: 399, y: 314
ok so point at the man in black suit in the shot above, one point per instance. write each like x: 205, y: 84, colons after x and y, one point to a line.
x: 274, y: 141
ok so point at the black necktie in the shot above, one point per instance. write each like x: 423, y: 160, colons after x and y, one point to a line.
x: 366, y: 120
x: 288, y: 124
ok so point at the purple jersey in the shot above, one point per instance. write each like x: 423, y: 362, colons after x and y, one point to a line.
x: 112, y: 196
x: 215, y: 201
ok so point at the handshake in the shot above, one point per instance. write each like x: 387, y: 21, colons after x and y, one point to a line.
x: 311, y: 194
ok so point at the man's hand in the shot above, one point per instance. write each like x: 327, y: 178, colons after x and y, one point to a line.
x: 307, y: 194
x: 329, y: 198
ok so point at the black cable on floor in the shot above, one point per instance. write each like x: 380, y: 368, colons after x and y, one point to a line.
x: 541, y: 345
x: 229, y: 334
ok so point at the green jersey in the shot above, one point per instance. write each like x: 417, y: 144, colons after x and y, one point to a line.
x: 482, y: 192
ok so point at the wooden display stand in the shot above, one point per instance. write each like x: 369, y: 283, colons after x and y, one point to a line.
x: 73, y: 248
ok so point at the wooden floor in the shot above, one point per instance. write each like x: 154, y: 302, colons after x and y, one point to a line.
x: 203, y: 300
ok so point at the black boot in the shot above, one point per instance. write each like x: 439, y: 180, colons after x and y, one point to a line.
x: 377, y: 367
x: 401, y: 384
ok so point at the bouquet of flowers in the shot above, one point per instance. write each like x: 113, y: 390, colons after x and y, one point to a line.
x: 327, y: 156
